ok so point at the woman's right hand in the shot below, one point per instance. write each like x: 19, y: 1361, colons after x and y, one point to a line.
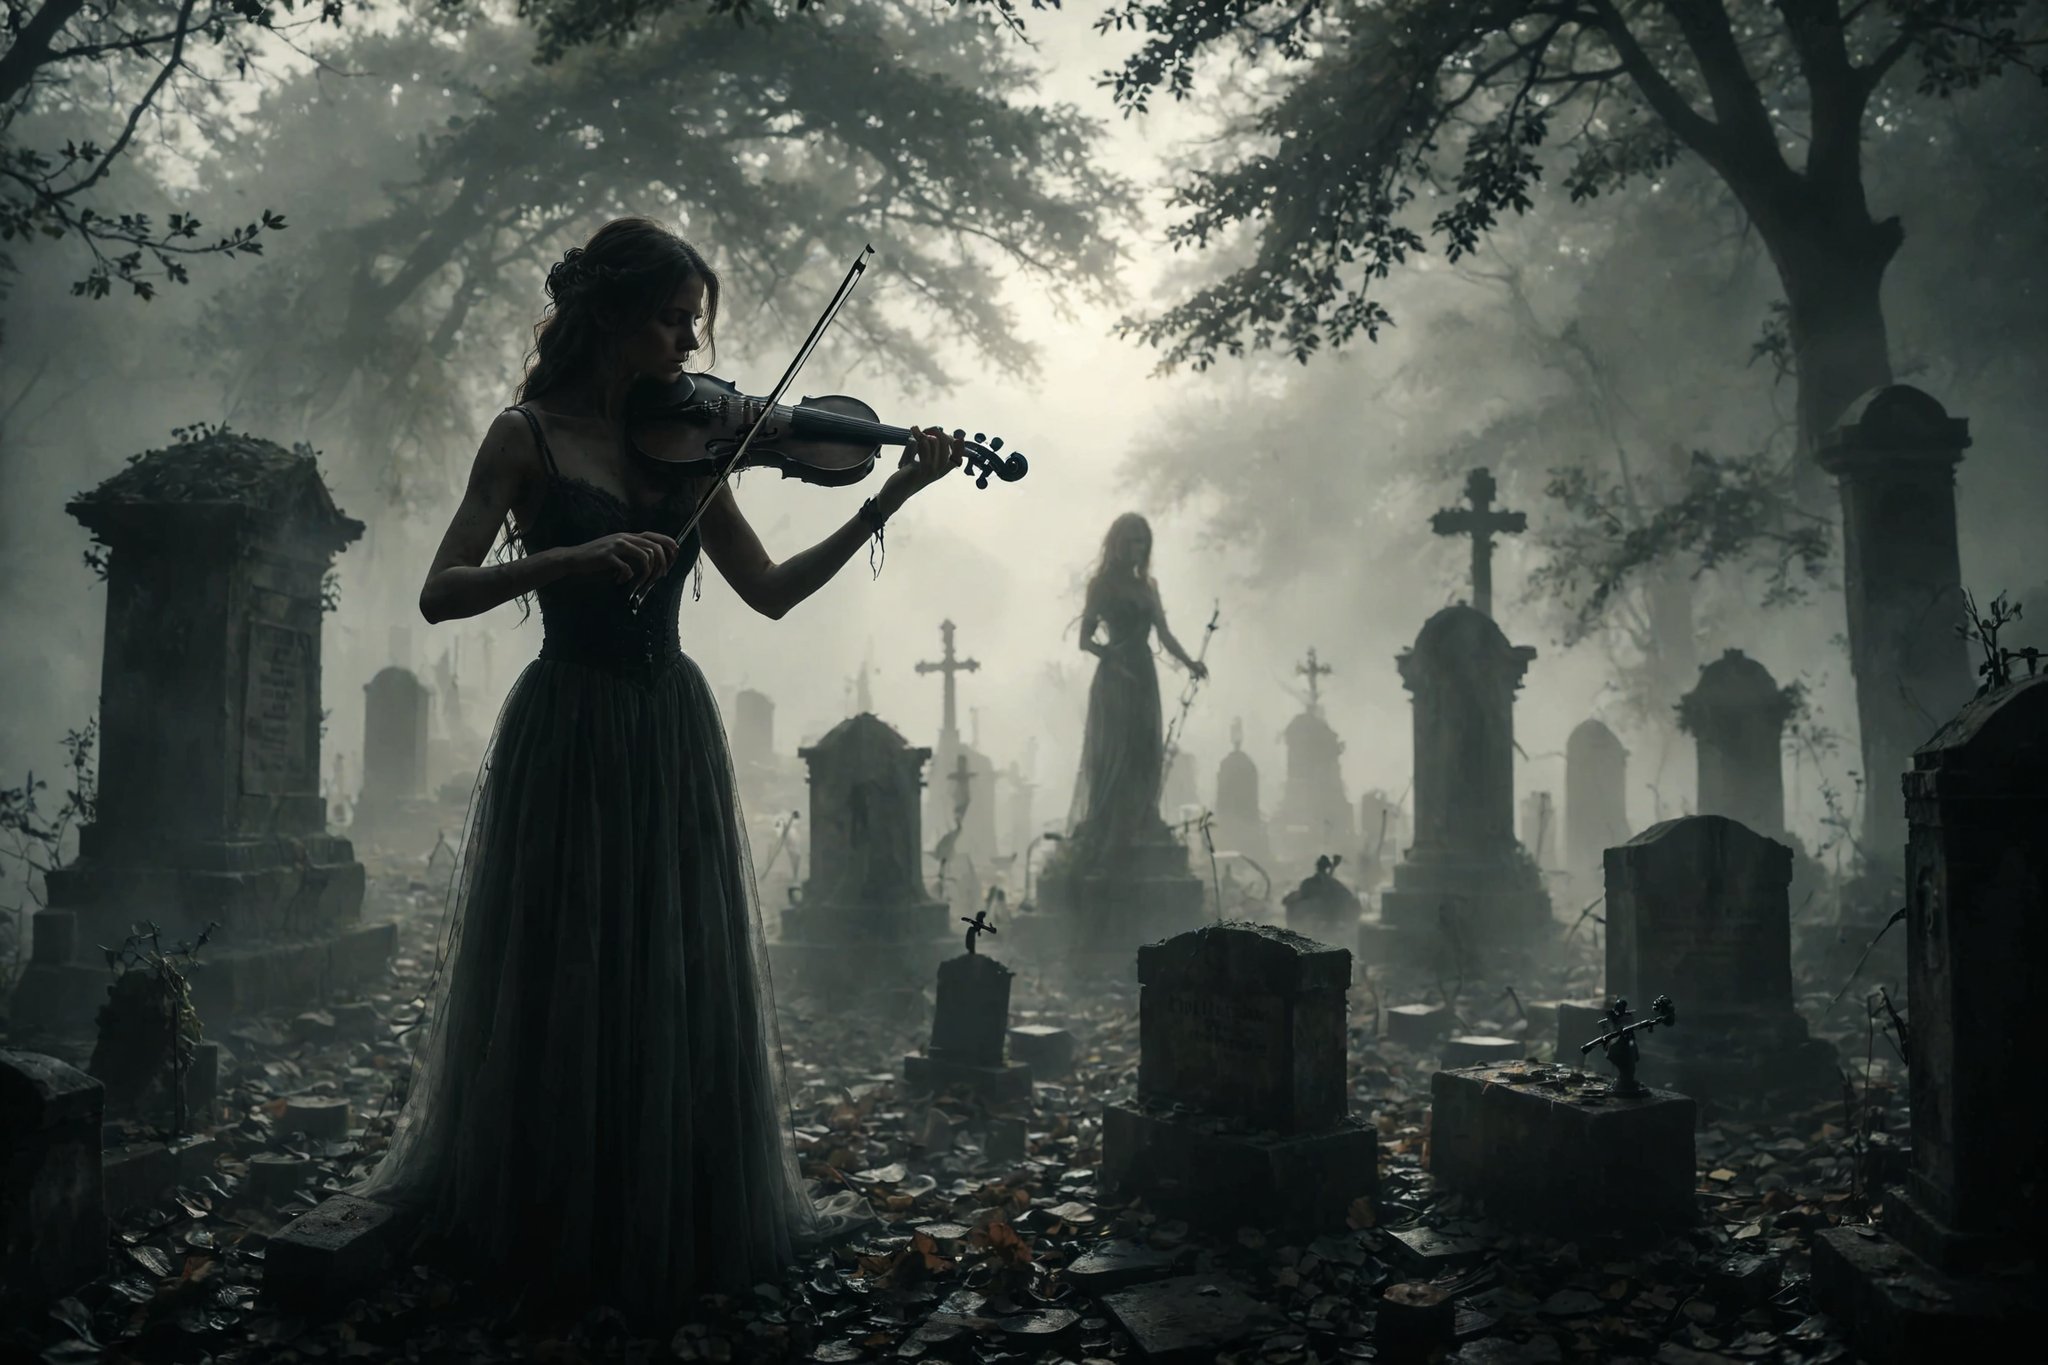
x: 636, y: 557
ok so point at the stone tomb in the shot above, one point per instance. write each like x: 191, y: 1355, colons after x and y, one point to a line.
x: 1240, y: 821
x: 1570, y: 1158
x: 53, y: 1219
x: 1698, y: 909
x: 1956, y: 1270
x: 209, y: 784
x: 1241, y: 1114
x: 1466, y: 887
x: 864, y: 913
x: 969, y: 1023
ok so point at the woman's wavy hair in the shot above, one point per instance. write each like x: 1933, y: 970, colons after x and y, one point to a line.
x: 1106, y: 569
x: 612, y: 284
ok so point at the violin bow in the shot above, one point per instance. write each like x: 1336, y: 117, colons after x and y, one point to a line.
x: 774, y: 400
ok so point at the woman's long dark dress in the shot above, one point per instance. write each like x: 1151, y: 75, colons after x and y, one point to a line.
x: 1123, y: 747
x: 597, y: 1113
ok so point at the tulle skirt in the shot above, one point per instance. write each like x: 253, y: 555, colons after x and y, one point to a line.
x: 598, y: 1113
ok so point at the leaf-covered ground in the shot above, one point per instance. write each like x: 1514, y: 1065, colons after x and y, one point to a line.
x: 980, y: 1219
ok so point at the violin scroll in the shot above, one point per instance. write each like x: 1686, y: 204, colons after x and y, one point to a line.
x: 983, y: 456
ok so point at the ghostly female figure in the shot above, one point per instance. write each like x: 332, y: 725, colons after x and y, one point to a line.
x: 1116, y: 796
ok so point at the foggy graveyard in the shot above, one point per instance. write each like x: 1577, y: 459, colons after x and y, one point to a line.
x: 1081, y: 684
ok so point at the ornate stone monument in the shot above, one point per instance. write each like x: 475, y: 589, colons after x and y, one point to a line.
x: 1240, y: 824
x: 1894, y: 459
x: 1314, y: 815
x: 1595, y: 802
x: 209, y: 784
x: 1241, y: 1115
x: 1956, y: 1270
x: 1466, y: 885
x: 865, y: 907
x: 1698, y: 908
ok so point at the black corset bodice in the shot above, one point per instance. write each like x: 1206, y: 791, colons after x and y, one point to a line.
x: 590, y: 620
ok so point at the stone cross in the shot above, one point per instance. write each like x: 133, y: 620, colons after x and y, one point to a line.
x: 947, y: 666
x: 1479, y: 520
x: 962, y: 781
x: 1312, y: 671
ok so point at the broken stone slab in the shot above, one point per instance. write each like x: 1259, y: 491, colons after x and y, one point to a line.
x: 1113, y: 1264
x: 1427, y: 1251
x: 1417, y: 1026
x: 1414, y: 1322
x: 137, y: 1174
x: 1188, y: 1318
x: 1194, y: 1167
x: 924, y: 1075
x: 1744, y: 1281
x: 326, y: 1257
x: 1899, y: 1310
x: 1478, y: 1049
x: 276, y: 1176
x: 1047, y: 1050
x: 53, y: 1220
x: 1567, y: 1159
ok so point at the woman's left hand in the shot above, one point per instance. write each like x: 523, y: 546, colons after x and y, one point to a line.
x: 926, y: 460
x: 1198, y: 669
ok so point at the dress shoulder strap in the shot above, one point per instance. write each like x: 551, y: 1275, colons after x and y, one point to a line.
x: 540, y: 439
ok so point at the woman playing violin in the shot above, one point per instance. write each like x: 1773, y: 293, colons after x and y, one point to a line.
x: 597, y: 1109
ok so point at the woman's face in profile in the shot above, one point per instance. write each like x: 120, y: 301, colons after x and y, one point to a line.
x: 659, y: 347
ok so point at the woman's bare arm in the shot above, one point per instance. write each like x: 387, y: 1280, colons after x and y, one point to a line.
x: 772, y: 588
x: 1166, y: 636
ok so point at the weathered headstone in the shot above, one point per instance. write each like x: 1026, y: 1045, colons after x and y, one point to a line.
x: 53, y: 1219
x: 1567, y: 1157
x: 1595, y: 801
x: 970, y: 1020
x: 1322, y: 907
x: 1240, y: 823
x: 1736, y: 716
x: 1178, y: 795
x: 393, y: 803
x: 865, y: 908
x: 1894, y: 459
x: 1465, y: 885
x: 1959, y: 1270
x: 1314, y: 815
x: 977, y: 841
x: 209, y: 785
x: 1698, y: 909
x: 753, y: 728
x: 1242, y: 1113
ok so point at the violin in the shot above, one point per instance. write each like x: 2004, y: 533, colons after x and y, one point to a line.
x: 695, y: 424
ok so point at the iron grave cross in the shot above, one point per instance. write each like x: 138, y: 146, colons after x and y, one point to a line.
x: 949, y: 732
x: 1480, y: 521
x: 1313, y: 671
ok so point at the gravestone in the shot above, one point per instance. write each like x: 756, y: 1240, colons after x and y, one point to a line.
x: 767, y: 780
x: 1539, y: 828
x: 864, y: 910
x: 977, y: 842
x: 1957, y: 1266
x: 393, y: 802
x: 1595, y: 801
x: 1569, y: 1157
x: 1314, y: 815
x: 1465, y: 886
x: 1322, y: 907
x: 1736, y: 716
x: 1894, y: 459
x: 1242, y: 1114
x: 969, y: 1023
x: 53, y: 1219
x: 753, y: 728
x: 1240, y: 823
x: 1698, y: 909
x: 1177, y: 792
x: 209, y: 802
